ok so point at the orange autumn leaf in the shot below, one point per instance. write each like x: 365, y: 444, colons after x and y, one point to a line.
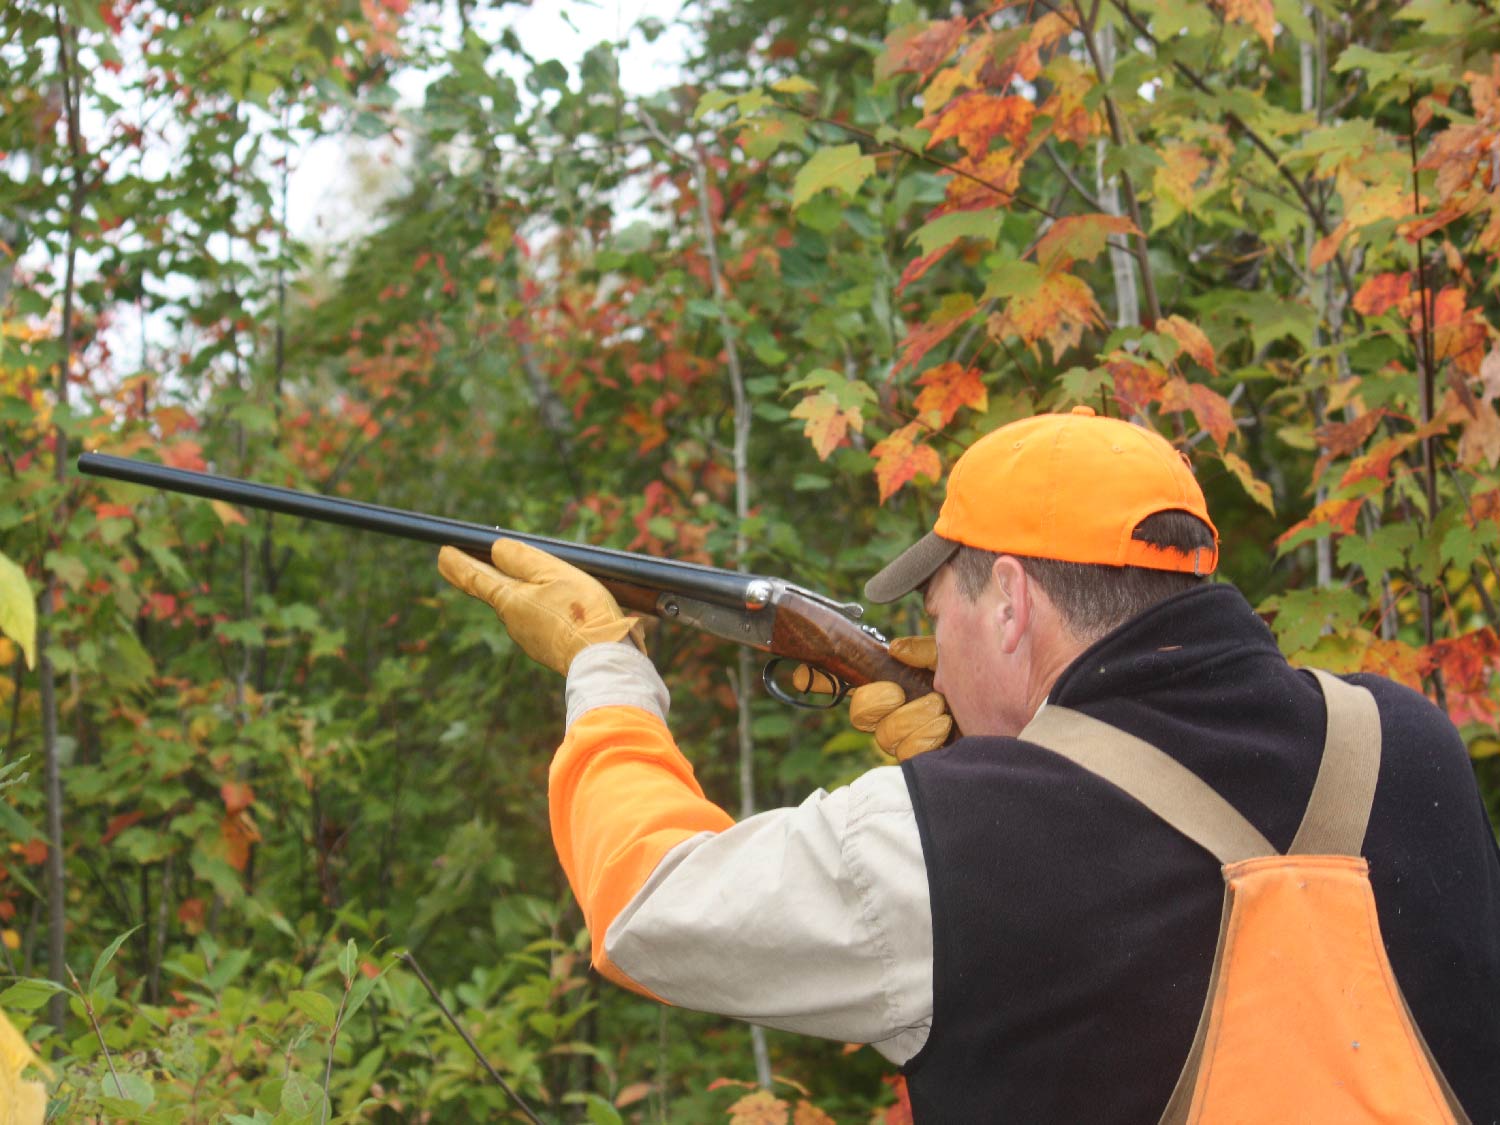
x: 184, y: 455
x: 1468, y: 664
x: 922, y: 338
x: 1396, y: 660
x: 1382, y: 291
x: 228, y: 514
x: 1177, y: 177
x: 1480, y: 442
x: 1079, y: 238
x: 901, y: 1112
x: 1258, y: 490
x: 237, y: 796
x: 1259, y: 14
x: 827, y: 423
x: 33, y: 851
x: 920, y: 47
x: 808, y: 1114
x: 1057, y: 311
x: 901, y: 457
x: 191, y: 913
x: 1459, y: 333
x: 1337, y: 514
x: 239, y: 833
x: 975, y: 119
x: 118, y: 824
x: 1208, y: 406
x: 759, y: 1108
x: 947, y: 387
x: 1138, y: 383
x: 990, y: 181
x: 1340, y: 439
x: 1191, y: 340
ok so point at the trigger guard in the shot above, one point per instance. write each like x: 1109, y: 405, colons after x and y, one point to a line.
x: 768, y: 677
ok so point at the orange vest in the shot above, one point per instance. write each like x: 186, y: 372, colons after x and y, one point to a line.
x: 1304, y: 1020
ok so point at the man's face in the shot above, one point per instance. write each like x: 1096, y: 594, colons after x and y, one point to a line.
x: 974, y: 672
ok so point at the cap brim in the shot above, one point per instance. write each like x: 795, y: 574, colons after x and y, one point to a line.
x: 911, y: 568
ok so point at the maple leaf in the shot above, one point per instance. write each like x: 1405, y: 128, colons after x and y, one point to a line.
x: 1178, y: 181
x: 900, y: 458
x: 237, y: 796
x: 827, y: 423
x: 1070, y: 107
x: 1191, y: 340
x: 842, y: 168
x: 1079, y: 238
x: 947, y: 387
x: 922, y: 338
x: 1207, y: 405
x: 1259, y: 14
x: 1467, y: 663
x: 239, y: 833
x: 919, y: 266
x: 1459, y: 333
x: 975, y: 119
x: 1258, y: 490
x: 1058, y: 310
x: 1397, y: 661
x: 1337, y: 514
x: 1480, y: 441
x: 901, y: 1112
x: 1382, y: 291
x: 808, y: 1114
x: 990, y: 181
x: 1339, y: 439
x: 920, y: 47
x: 184, y: 455
x: 759, y: 1108
x: 1137, y: 382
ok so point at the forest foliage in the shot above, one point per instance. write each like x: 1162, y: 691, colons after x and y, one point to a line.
x: 257, y: 772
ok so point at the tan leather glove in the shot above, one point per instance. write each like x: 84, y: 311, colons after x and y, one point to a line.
x: 902, y: 730
x: 551, y: 609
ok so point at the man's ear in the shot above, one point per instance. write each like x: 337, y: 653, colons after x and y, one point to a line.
x: 1013, y: 604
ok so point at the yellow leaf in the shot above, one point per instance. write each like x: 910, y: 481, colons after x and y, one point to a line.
x: 228, y: 514
x: 1259, y: 490
x: 794, y: 85
x: 759, y: 1108
x: 17, y: 609
x: 21, y: 1102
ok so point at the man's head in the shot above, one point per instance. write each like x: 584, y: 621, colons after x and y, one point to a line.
x: 1055, y: 530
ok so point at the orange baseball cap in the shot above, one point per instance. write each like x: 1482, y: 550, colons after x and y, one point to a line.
x: 1071, y: 487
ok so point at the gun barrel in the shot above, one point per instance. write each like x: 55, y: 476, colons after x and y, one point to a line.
x: 721, y: 587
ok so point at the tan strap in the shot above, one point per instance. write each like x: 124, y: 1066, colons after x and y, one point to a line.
x: 1339, y: 810
x: 1164, y: 785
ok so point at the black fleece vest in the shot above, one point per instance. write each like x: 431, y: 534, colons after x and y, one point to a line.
x: 1073, y: 932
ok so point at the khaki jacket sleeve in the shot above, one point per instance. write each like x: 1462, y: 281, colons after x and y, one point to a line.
x: 813, y: 919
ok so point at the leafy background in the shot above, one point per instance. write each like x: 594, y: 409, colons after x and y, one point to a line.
x: 251, y: 765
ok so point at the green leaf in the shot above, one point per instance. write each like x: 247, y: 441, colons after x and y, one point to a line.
x: 315, y: 1006
x: 129, y: 1087
x: 28, y: 994
x: 301, y: 1097
x: 349, y: 959
x: 17, y: 609
x: 939, y: 232
x: 107, y: 956
x: 843, y: 168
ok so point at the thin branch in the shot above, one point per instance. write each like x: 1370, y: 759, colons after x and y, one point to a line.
x: 474, y: 1047
x: 1127, y: 185
x: 1073, y: 181
x: 88, y: 1007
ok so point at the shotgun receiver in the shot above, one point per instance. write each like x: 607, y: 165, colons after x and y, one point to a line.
x: 768, y: 614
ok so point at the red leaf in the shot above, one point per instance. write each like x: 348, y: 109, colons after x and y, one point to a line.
x: 901, y: 457
x: 947, y: 387
x: 33, y: 850
x: 919, y: 266
x: 901, y: 1112
x: 990, y: 181
x: 977, y: 118
x: 1468, y: 663
x: 237, y: 796
x: 922, y: 338
x: 1382, y: 291
x: 1138, y: 383
x: 184, y: 455
x: 239, y: 834
x: 1338, y: 514
x: 118, y: 824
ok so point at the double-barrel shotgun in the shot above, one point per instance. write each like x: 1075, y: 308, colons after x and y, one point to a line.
x: 771, y: 615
